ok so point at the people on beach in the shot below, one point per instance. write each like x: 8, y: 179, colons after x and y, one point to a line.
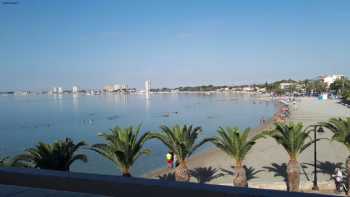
x: 282, y: 115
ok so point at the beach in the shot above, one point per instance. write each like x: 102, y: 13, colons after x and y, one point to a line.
x: 267, y: 161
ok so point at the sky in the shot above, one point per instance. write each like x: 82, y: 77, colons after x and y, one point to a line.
x: 172, y: 43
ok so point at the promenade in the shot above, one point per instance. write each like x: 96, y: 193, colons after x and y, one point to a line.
x: 267, y: 161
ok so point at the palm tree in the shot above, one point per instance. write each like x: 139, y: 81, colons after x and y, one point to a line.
x: 123, y: 147
x: 341, y: 133
x: 181, y: 141
x: 293, y: 138
x: 57, y: 156
x: 5, y: 162
x: 236, y: 144
x: 8, y: 162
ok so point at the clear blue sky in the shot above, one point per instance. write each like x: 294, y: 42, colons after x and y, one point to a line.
x: 93, y: 43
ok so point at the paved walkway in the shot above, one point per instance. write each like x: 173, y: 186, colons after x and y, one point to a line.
x: 16, y: 191
x: 267, y: 160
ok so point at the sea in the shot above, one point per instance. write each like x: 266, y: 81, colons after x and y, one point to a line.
x: 26, y: 120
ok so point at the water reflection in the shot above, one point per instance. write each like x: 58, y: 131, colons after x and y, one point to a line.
x: 147, y: 100
x: 93, y: 114
x: 117, y: 99
x: 58, y: 100
x: 75, y: 102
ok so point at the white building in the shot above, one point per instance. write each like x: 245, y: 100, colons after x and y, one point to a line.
x: 59, y: 90
x: 248, y: 89
x: 119, y: 87
x: 108, y: 88
x: 330, y: 79
x: 261, y: 90
x: 54, y: 90
x: 124, y: 87
x: 285, y: 86
x: 75, y: 89
x: 116, y: 87
x: 148, y: 86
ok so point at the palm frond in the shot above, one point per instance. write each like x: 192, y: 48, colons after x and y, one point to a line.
x: 293, y: 138
x: 235, y: 143
x: 56, y: 156
x: 340, y: 128
x: 180, y: 139
x: 123, y: 146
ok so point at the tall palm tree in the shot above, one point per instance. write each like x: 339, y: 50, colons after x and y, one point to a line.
x: 181, y: 141
x: 236, y: 144
x: 294, y: 139
x: 341, y: 133
x: 123, y: 147
x: 57, y: 156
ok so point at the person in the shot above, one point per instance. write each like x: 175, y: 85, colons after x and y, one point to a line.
x: 338, y: 177
x: 169, y: 158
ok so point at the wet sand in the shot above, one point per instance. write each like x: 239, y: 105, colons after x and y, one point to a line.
x: 267, y: 160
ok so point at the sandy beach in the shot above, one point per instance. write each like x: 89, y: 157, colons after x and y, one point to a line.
x: 267, y: 160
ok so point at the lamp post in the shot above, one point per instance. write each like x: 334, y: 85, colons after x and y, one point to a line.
x: 317, y: 129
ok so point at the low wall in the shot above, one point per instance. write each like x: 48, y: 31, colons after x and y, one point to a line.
x: 121, y: 186
x: 304, y: 186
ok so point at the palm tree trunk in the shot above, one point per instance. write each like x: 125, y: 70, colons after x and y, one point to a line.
x: 126, y: 173
x: 240, y: 178
x: 348, y: 172
x: 182, y: 173
x: 293, y: 171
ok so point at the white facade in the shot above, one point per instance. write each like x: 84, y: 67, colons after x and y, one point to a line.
x: 247, y: 89
x: 116, y: 87
x: 284, y: 86
x: 330, y: 79
x: 75, y: 89
x: 54, y: 90
x: 148, y: 86
x: 59, y: 90
x: 108, y: 88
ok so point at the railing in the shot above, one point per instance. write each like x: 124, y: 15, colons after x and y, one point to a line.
x: 126, y: 187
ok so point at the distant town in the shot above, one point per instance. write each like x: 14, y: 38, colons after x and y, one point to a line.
x: 327, y: 83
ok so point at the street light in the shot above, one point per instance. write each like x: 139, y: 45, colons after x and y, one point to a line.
x: 317, y: 129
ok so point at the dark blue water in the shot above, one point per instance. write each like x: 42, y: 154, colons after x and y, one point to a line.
x: 25, y: 120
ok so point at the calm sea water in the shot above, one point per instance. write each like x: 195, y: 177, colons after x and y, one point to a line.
x: 25, y: 120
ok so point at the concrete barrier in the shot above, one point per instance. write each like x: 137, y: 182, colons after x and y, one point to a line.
x: 128, y: 187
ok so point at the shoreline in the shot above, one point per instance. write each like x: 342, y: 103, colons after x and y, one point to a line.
x: 267, y: 160
x: 200, y: 157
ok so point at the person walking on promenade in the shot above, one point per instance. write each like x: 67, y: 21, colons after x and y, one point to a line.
x: 338, y: 177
